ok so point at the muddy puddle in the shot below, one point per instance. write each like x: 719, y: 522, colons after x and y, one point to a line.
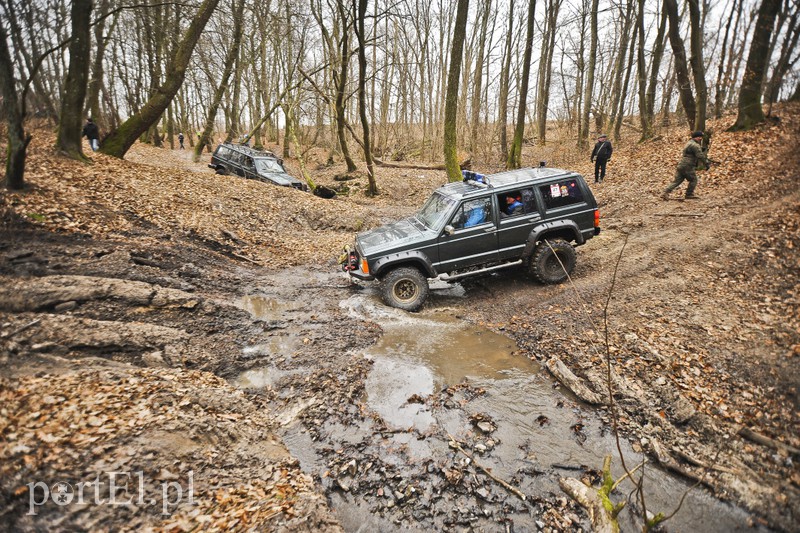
x: 517, y: 421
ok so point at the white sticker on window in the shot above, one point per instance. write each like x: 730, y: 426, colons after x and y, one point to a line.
x: 555, y: 191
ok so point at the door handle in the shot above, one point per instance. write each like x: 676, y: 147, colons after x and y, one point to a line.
x: 489, y: 230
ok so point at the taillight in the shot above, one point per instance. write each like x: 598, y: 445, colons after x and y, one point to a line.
x: 596, y: 218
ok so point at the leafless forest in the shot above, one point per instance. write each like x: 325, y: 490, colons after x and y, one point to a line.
x: 333, y: 74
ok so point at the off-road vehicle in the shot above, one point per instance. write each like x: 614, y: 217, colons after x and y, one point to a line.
x: 262, y: 165
x: 531, y: 217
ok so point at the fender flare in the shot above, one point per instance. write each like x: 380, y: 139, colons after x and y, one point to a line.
x: 556, y: 226
x: 413, y: 257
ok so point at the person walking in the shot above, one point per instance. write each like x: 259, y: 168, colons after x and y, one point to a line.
x: 91, y: 132
x: 600, y: 156
x: 180, y: 140
x: 692, y: 153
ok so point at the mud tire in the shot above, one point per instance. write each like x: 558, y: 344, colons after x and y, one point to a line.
x: 405, y: 288
x: 546, y: 264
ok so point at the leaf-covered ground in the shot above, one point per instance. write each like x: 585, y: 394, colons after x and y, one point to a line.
x: 703, y: 322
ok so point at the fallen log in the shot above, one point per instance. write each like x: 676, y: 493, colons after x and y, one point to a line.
x: 557, y: 367
x: 758, y: 438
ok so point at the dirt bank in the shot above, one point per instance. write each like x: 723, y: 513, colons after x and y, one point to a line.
x: 135, y: 296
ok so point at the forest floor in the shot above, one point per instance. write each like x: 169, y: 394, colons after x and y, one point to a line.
x: 136, y: 296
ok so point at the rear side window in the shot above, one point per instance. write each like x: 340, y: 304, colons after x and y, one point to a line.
x: 561, y: 193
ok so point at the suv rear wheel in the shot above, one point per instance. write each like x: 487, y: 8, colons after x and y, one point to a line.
x: 405, y: 288
x: 552, y: 261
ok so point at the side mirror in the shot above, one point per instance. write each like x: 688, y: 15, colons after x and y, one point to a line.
x: 449, y: 229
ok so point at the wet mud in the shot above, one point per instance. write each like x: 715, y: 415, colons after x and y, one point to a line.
x: 402, y: 430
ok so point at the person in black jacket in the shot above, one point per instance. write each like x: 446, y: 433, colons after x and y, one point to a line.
x: 600, y: 156
x: 91, y: 132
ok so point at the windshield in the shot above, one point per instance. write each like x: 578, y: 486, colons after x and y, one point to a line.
x: 435, y: 211
x: 268, y: 165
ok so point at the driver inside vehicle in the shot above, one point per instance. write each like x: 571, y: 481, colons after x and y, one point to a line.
x: 475, y: 216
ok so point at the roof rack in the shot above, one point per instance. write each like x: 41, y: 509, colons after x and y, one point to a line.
x: 474, y: 178
x: 250, y: 151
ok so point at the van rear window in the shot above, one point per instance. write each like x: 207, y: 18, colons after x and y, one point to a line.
x: 561, y: 193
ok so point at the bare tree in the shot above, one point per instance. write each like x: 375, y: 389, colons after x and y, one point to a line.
x: 515, y: 154
x: 786, y: 61
x: 477, y: 78
x: 546, y: 67
x: 120, y: 140
x: 590, y: 68
x: 681, y: 66
x: 505, y: 74
x: 750, y: 111
x: 451, y: 101
x: 70, y: 121
x: 237, y: 8
x: 14, y: 111
x: 361, y: 10
x: 698, y: 66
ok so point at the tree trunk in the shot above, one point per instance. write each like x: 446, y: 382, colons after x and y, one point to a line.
x: 626, y: 83
x: 587, y: 95
x: 785, y: 62
x: 70, y: 121
x: 17, y: 138
x: 505, y: 75
x: 515, y: 154
x: 617, y: 99
x: 546, y: 68
x: 645, y: 119
x: 750, y: 112
x: 451, y: 99
x: 681, y: 66
x: 230, y: 58
x: 718, y: 94
x: 340, y: 82
x: 119, y: 142
x: 96, y: 81
x: 698, y: 66
x: 477, y: 78
x: 372, y: 189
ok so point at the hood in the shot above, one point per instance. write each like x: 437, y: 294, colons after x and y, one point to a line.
x: 281, y: 178
x: 395, y: 235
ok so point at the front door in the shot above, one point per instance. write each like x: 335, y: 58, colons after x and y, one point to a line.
x: 474, y: 237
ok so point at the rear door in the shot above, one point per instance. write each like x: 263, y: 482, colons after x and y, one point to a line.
x: 515, y: 227
x: 474, y: 238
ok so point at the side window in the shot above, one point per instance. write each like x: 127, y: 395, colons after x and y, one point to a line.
x: 561, y: 194
x: 248, y: 163
x: 516, y: 203
x: 472, y: 213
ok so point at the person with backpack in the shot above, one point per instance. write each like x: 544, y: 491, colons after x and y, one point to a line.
x: 180, y: 141
x: 600, y: 156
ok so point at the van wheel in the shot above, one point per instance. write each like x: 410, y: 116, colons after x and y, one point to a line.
x: 552, y: 263
x: 221, y: 171
x: 405, y: 288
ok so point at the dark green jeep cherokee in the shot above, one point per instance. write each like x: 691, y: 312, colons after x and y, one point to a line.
x: 531, y: 217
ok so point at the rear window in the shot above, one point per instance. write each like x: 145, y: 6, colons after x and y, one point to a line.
x: 561, y: 193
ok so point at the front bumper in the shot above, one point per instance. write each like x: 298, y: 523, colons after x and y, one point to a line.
x: 355, y: 265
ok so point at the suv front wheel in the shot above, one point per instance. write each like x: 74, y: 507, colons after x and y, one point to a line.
x: 405, y: 288
x: 552, y: 261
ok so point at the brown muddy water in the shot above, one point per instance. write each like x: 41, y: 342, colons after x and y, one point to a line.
x: 433, y: 375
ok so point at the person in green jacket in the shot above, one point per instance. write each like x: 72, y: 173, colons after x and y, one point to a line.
x: 692, y: 153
